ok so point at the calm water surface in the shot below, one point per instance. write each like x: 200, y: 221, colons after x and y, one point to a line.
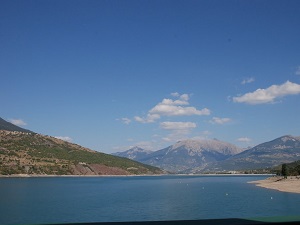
x: 102, y: 199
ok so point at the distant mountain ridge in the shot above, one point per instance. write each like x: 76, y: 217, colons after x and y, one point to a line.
x: 135, y: 153
x: 4, y: 125
x: 202, y: 156
x: 281, y: 150
x: 187, y: 154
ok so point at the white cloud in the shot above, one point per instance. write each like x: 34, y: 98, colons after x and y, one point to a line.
x: 151, y: 118
x: 217, y: 120
x: 248, y: 80
x: 17, y: 122
x: 180, y: 101
x: 126, y: 120
x: 244, y: 139
x: 177, y: 125
x: 175, y: 94
x: 270, y: 94
x: 173, y: 110
x: 68, y: 139
x: 170, y: 107
x: 184, y: 97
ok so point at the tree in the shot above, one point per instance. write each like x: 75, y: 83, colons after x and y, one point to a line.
x: 284, y: 170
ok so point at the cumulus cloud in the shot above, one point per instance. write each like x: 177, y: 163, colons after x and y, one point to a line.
x: 173, y: 110
x: 68, y: 139
x: 248, y: 80
x: 270, y: 94
x: 17, y: 122
x: 151, y: 118
x: 244, y: 139
x: 177, y: 125
x: 126, y: 120
x: 170, y: 107
x: 175, y: 94
x: 217, y: 120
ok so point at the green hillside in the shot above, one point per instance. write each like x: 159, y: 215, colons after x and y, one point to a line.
x: 31, y: 153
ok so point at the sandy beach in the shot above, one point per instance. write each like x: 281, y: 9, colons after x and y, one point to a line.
x: 291, y: 184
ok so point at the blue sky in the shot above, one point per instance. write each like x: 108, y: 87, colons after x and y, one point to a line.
x: 109, y: 75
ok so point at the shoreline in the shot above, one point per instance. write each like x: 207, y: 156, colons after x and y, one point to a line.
x: 291, y: 184
x: 49, y: 176
x: 133, y: 175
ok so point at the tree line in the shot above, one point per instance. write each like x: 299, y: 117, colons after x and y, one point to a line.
x: 290, y: 169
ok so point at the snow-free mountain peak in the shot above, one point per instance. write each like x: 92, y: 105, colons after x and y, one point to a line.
x: 134, y: 153
x: 289, y: 138
x: 200, y: 145
x: 184, y: 155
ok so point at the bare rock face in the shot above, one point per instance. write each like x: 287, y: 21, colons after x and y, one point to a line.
x: 184, y: 156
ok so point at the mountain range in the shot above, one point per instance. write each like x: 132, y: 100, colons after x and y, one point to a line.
x: 285, y: 149
x: 204, y: 156
x: 26, y: 152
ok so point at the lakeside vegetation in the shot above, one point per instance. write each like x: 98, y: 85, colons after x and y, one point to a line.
x: 290, y: 169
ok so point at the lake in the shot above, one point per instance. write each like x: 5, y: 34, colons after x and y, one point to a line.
x: 139, y: 198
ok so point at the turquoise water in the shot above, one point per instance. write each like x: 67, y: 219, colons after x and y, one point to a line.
x: 102, y: 199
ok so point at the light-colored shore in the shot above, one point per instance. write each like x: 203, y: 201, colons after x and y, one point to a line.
x: 291, y: 184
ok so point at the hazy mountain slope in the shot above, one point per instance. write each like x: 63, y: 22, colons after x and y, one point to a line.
x: 269, y: 154
x: 186, y: 155
x: 135, y: 153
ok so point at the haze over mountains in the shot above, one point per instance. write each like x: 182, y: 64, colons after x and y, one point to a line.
x: 199, y: 156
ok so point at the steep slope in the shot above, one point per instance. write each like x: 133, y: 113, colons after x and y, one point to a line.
x: 4, y: 125
x: 135, y: 153
x: 185, y: 156
x: 269, y: 154
x: 31, y: 153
